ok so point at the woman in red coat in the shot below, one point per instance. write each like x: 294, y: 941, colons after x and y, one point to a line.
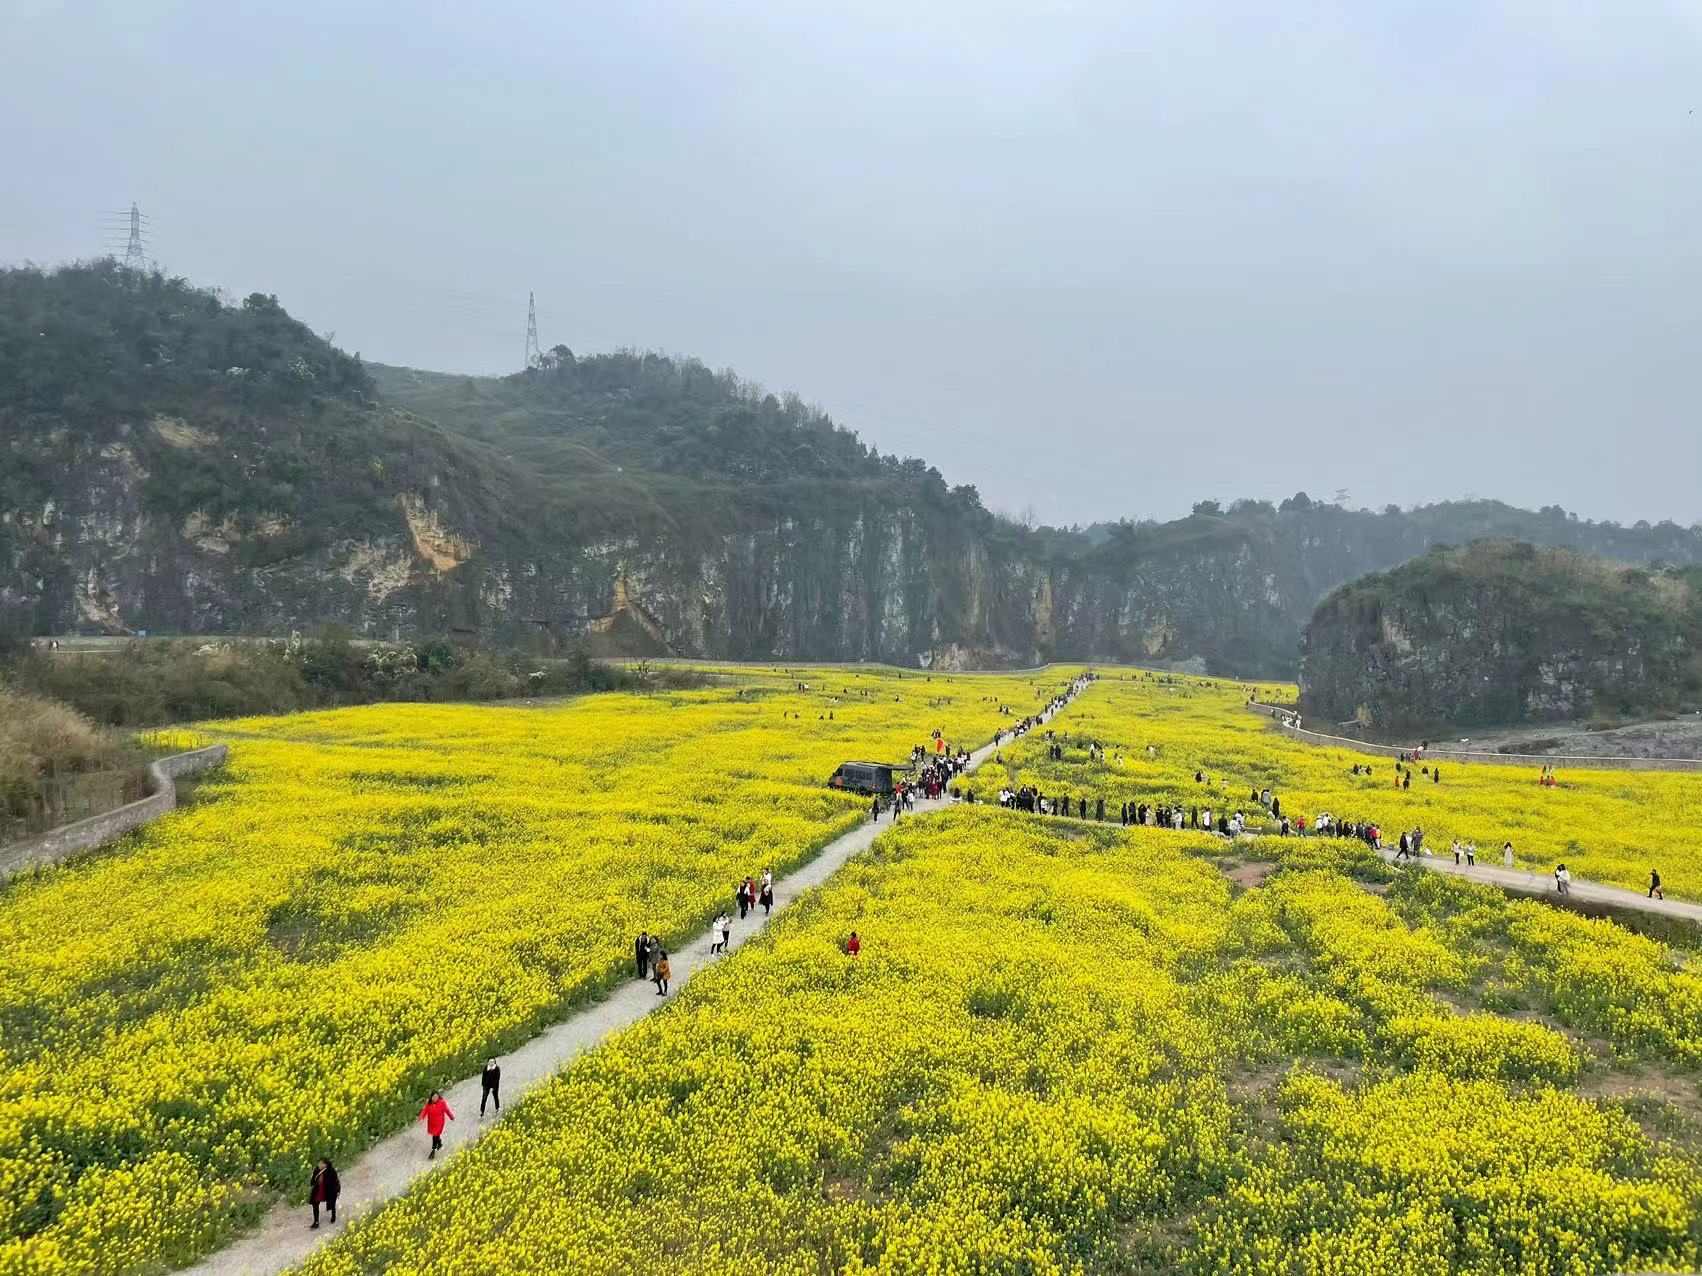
x: 435, y: 1112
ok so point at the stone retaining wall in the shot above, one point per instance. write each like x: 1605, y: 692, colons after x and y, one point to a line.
x: 57, y: 844
x: 1278, y: 712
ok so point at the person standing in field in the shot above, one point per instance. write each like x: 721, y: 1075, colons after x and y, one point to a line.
x: 434, y: 1114
x: 490, y: 1086
x: 853, y: 946
x: 641, y: 954
x: 1562, y: 879
x: 662, y: 973
x: 323, y: 1189
x: 1655, y: 891
x: 1507, y: 855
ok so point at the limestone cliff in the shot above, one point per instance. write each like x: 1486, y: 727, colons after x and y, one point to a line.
x: 174, y: 463
x: 1502, y: 633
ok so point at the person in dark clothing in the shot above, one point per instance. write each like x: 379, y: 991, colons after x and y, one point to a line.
x: 1084, y: 808
x: 767, y: 898
x: 743, y: 899
x: 641, y: 954
x: 1276, y: 808
x: 1436, y: 776
x: 1406, y: 782
x: 490, y: 1086
x: 1099, y: 810
x: 1655, y: 891
x: 324, y: 1189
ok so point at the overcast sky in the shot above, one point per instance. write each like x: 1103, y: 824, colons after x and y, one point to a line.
x: 1104, y: 259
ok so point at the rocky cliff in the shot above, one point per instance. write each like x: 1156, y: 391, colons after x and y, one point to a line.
x: 173, y: 463
x: 1502, y: 633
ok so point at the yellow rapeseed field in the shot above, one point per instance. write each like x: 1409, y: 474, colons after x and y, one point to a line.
x: 1607, y: 826
x: 1065, y: 1048
x: 365, y: 903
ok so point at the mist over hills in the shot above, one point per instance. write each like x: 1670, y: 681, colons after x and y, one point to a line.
x: 174, y: 463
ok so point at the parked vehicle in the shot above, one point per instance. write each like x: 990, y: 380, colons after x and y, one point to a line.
x: 866, y: 777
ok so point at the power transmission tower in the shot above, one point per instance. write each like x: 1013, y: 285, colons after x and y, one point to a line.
x: 133, y: 225
x: 534, y: 355
x: 133, y: 255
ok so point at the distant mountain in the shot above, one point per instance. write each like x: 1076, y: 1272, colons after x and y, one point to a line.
x: 172, y: 462
x: 1502, y: 633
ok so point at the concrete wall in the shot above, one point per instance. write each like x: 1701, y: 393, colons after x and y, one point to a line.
x: 1538, y: 760
x: 57, y: 844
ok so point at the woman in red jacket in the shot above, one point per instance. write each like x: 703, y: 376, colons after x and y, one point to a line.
x: 433, y: 1114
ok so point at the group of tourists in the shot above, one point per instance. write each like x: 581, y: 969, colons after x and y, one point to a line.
x: 652, y: 961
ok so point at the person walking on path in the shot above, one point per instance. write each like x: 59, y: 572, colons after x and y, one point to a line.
x: 490, y: 1086
x: 324, y: 1189
x: 853, y: 946
x: 766, y: 899
x: 1562, y: 879
x: 435, y: 1112
x: 1655, y: 891
x: 662, y: 973
x: 715, y: 932
x: 726, y: 930
x: 742, y: 900
x: 652, y: 951
x: 641, y: 954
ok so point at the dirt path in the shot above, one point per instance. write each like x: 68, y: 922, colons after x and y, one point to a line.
x: 391, y: 1166
x: 1513, y: 879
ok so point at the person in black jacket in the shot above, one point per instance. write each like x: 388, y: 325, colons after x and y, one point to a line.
x: 323, y: 1189
x: 490, y: 1082
x: 641, y: 954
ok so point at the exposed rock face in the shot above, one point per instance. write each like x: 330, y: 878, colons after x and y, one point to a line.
x: 1502, y: 633
x: 883, y: 582
x: 172, y: 463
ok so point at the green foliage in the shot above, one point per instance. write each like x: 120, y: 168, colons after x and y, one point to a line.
x: 88, y: 341
x: 162, y: 682
x: 1503, y: 632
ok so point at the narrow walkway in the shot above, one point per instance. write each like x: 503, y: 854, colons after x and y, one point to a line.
x: 1278, y: 714
x: 1513, y: 879
x: 391, y: 1166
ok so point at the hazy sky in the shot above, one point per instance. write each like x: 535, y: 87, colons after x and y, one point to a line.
x: 1102, y: 258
